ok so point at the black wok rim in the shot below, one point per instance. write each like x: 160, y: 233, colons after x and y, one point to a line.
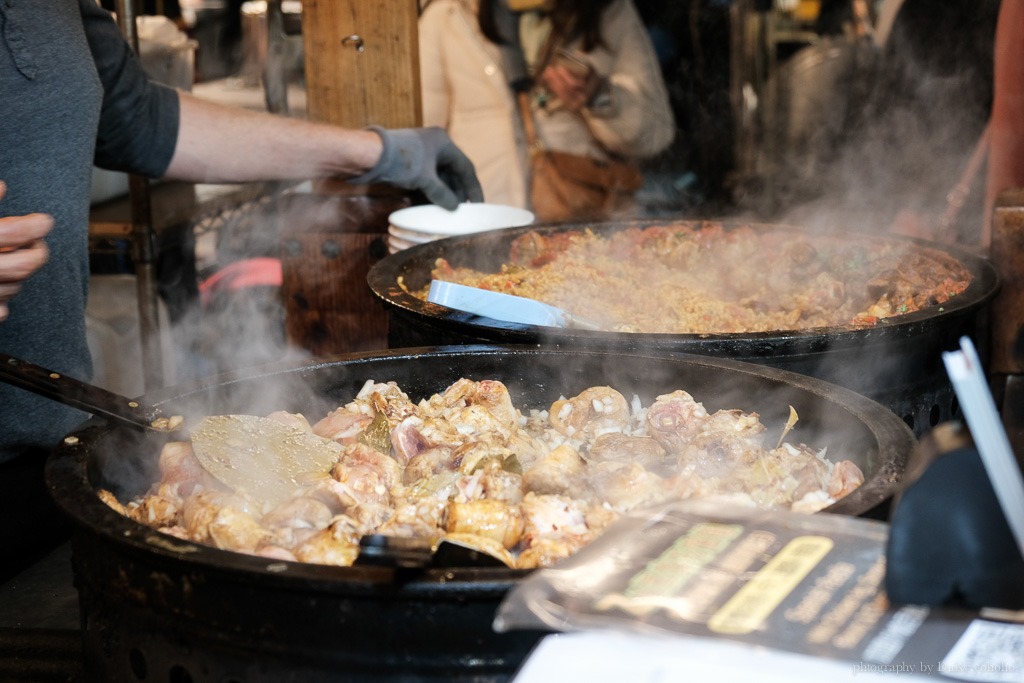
x: 68, y: 478
x: 383, y: 279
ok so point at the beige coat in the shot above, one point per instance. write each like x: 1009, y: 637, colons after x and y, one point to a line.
x: 465, y: 91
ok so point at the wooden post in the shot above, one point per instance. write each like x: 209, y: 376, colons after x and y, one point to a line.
x: 1006, y: 368
x: 1007, y: 254
x: 362, y: 62
x: 362, y: 68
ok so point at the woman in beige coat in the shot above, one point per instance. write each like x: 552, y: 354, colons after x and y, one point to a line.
x: 466, y: 81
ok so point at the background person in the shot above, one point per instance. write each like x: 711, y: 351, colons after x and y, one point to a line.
x: 605, y: 95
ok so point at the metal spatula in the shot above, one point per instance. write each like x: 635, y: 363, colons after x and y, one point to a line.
x: 515, y: 309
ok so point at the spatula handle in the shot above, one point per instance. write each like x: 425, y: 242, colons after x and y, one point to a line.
x: 75, y: 393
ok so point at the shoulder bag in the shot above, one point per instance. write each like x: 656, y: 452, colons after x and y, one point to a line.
x: 564, y: 186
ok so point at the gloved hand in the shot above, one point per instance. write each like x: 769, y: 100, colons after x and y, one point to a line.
x: 425, y: 159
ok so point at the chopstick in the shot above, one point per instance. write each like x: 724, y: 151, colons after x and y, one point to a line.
x: 965, y: 371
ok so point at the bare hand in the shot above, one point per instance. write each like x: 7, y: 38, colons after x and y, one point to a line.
x: 573, y: 89
x: 22, y: 250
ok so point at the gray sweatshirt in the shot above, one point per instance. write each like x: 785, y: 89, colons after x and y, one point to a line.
x: 71, y: 93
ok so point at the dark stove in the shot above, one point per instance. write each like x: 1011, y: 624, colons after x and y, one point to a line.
x: 40, y: 636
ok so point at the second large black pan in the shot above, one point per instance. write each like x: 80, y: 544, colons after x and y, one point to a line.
x: 897, y: 362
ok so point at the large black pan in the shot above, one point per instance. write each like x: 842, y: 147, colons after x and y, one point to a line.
x: 898, y: 362
x: 158, y: 608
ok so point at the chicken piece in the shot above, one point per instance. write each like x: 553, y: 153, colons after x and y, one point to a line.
x: 408, y: 441
x: 343, y: 424
x: 544, y: 552
x: 296, y: 519
x: 683, y: 485
x: 500, y: 484
x: 627, y: 486
x: 472, y: 454
x: 275, y: 552
x: 722, y: 442
x: 359, y: 493
x: 595, y: 411
x: 177, y: 531
x: 526, y: 446
x: 812, y: 502
x: 846, y: 476
x: 489, y: 395
x: 221, y: 520
x: 182, y: 471
x: 556, y: 527
x: 442, y: 486
x: 368, y: 475
x: 346, y: 423
x: 336, y: 545
x: 560, y: 471
x: 162, y: 508
x: 112, y: 502
x: 469, y: 487
x: 775, y: 479
x: 200, y: 510
x: 489, y: 518
x: 673, y: 419
x: 387, y: 468
x: 389, y: 400
x: 556, y: 518
x: 429, y: 463
x: 642, y: 450
x: 419, y: 518
x: 494, y: 396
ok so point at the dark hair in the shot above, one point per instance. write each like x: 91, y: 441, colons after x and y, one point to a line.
x: 570, y: 19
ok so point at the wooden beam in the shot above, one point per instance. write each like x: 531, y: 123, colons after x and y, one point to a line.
x: 362, y: 62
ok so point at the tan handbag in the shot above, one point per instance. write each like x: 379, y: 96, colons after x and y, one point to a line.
x: 567, y: 186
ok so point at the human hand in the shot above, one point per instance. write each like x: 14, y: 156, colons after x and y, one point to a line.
x: 425, y: 159
x: 22, y: 250
x: 572, y: 81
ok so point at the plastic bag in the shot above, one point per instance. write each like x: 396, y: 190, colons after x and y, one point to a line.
x: 808, y: 583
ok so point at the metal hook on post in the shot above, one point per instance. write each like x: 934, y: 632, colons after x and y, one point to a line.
x: 355, y: 41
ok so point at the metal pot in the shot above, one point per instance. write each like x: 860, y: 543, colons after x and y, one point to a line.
x: 157, y: 607
x: 898, y: 362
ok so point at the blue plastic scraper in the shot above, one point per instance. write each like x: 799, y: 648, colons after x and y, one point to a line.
x: 507, y: 307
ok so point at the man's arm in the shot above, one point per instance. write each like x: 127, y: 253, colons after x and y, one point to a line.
x: 218, y: 143
x: 224, y: 144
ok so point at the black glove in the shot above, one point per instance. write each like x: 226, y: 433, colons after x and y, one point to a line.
x: 425, y: 159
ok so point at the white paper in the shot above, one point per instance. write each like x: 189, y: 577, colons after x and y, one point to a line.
x: 987, y: 651
x: 620, y: 657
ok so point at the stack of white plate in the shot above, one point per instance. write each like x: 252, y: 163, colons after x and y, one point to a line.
x: 420, y: 224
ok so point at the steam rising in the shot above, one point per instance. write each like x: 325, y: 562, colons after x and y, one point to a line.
x: 862, y: 136
x: 895, y: 137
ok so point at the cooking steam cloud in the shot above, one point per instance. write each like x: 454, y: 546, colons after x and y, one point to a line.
x: 870, y: 139
x: 874, y: 134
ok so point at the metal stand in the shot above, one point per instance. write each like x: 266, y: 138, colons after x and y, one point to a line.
x: 143, y: 243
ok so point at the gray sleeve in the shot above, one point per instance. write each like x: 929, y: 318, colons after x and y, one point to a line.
x: 138, y: 127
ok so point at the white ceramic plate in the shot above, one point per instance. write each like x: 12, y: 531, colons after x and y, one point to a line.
x: 468, y: 218
x: 411, y: 235
x: 399, y: 244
